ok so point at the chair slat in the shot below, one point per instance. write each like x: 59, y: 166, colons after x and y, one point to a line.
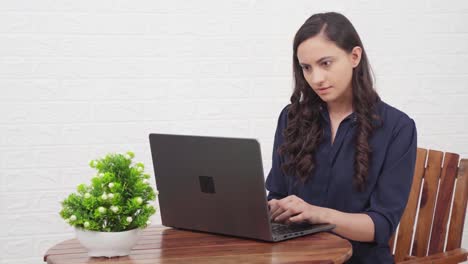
x: 457, y: 220
x: 405, y: 231
x: 444, y: 199
x: 427, y: 204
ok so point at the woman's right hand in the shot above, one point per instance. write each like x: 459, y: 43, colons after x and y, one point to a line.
x: 293, y: 209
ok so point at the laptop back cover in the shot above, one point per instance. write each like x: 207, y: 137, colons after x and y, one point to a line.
x: 211, y: 184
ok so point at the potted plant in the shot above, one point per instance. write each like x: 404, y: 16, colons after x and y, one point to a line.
x: 108, y: 214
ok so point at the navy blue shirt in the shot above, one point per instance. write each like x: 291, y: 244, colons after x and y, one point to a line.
x: 391, y: 169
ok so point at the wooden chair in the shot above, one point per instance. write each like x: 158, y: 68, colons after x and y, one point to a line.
x: 435, y: 240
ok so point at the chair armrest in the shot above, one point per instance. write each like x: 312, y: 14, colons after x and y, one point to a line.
x: 453, y: 256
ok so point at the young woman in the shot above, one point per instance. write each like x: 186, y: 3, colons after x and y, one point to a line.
x: 341, y: 155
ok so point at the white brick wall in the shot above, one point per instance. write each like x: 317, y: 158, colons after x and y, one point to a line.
x: 83, y: 78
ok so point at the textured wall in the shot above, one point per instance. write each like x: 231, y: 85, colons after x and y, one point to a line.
x: 82, y: 78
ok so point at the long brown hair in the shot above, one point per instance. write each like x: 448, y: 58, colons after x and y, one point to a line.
x: 304, y: 131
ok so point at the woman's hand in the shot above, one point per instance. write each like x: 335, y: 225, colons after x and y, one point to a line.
x: 293, y: 209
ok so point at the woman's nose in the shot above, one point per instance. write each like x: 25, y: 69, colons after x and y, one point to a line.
x: 317, y: 77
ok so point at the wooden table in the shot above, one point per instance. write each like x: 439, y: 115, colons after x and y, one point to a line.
x: 160, y: 244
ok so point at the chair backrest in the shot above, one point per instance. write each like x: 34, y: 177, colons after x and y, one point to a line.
x: 440, y: 191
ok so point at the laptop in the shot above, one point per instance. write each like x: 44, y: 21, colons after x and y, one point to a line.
x: 216, y: 185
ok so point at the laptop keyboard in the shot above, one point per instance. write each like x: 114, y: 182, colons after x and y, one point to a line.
x: 280, y: 229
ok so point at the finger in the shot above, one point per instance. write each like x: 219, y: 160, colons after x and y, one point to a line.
x: 269, y: 205
x: 272, y: 206
x: 285, y: 202
x: 284, y: 215
x: 272, y: 201
x: 297, y: 218
x: 276, y: 212
x: 282, y: 206
x: 279, y: 206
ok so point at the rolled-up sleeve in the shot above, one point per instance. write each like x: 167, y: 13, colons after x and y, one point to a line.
x: 276, y: 183
x: 390, y: 195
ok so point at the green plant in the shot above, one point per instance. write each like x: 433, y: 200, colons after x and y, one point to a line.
x: 117, y: 199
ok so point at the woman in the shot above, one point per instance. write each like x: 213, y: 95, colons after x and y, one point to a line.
x: 341, y: 155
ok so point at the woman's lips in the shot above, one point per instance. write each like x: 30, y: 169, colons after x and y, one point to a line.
x: 324, y: 90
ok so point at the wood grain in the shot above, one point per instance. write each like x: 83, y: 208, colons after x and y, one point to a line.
x: 166, y: 245
x: 441, y: 182
x: 457, y: 220
x: 427, y: 203
x: 405, y: 230
x: 444, y: 200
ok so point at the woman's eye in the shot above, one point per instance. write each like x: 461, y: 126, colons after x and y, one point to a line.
x: 326, y: 63
x: 306, y: 67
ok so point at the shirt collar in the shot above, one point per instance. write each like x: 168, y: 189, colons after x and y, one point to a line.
x: 326, y: 116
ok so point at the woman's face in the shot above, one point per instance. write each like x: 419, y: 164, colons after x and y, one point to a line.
x: 327, y: 68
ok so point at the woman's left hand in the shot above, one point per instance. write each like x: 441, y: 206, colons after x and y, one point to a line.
x: 293, y: 209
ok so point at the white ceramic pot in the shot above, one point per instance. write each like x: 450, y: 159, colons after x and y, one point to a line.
x: 108, y: 244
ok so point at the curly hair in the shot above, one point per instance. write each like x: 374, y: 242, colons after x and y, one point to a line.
x: 304, y: 131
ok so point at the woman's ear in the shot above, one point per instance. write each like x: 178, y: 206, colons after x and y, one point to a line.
x: 355, y: 56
